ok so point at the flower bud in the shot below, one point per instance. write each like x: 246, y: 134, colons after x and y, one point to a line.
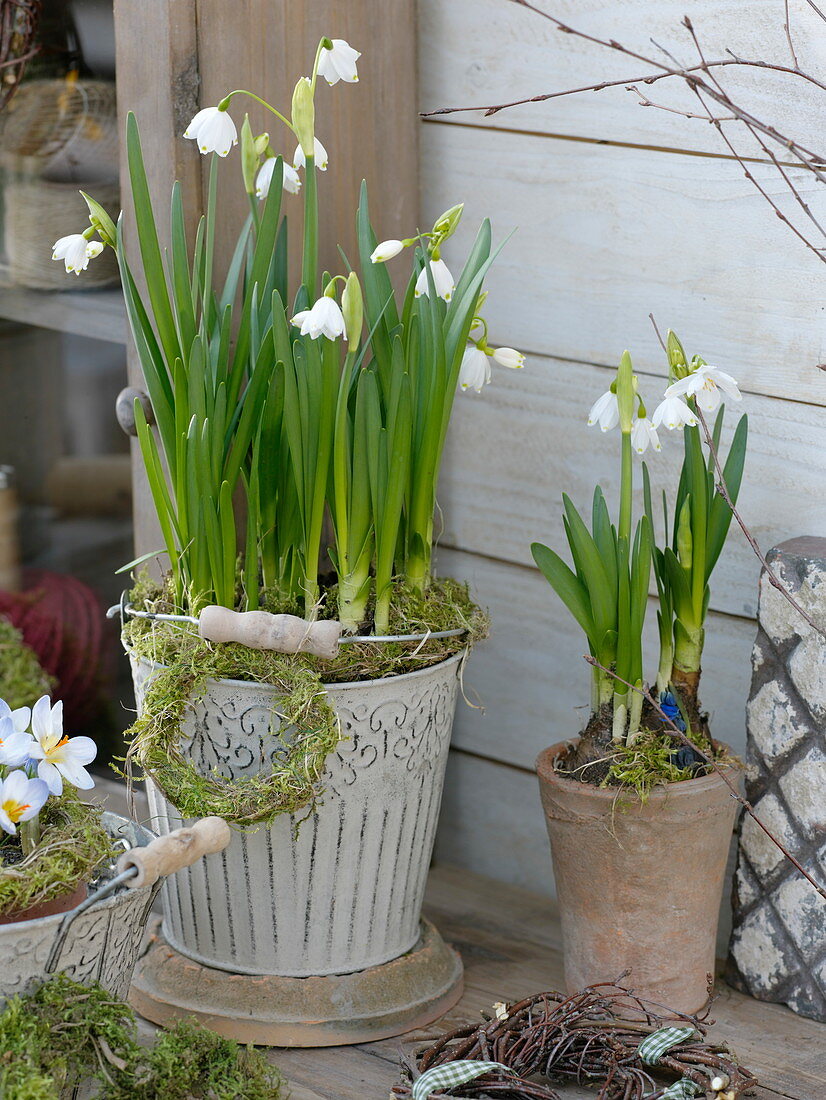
x: 625, y: 393
x: 262, y: 144
x: 509, y: 357
x: 446, y: 225
x: 101, y: 222
x: 249, y: 156
x: 677, y: 361
x: 303, y: 111
x: 352, y: 308
x: 386, y: 251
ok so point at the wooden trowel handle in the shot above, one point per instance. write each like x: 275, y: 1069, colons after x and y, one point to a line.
x: 261, y: 630
x: 181, y: 848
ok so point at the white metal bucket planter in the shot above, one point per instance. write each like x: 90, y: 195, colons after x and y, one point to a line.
x: 339, y: 893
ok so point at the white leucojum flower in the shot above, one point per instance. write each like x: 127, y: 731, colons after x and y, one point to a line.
x: 21, y: 799
x: 324, y: 319
x: 60, y: 757
x: 644, y: 435
x: 213, y: 130
x: 339, y: 63
x: 319, y: 155
x: 386, y: 251
x: 474, y: 373
x: 671, y: 413
x: 509, y: 357
x: 291, y: 180
x: 76, y: 252
x: 442, y: 280
x: 706, y: 385
x: 605, y: 412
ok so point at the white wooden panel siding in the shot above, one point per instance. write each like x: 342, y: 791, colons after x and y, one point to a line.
x: 491, y: 51
x: 617, y: 216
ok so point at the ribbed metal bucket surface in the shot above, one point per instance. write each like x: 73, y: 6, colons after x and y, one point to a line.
x: 344, y: 893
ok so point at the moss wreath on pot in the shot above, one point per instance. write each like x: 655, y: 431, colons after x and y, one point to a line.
x: 322, y: 410
x: 637, y: 803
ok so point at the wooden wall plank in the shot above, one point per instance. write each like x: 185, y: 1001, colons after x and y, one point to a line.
x: 513, y: 449
x: 607, y: 235
x: 265, y: 46
x: 531, y: 678
x: 490, y: 51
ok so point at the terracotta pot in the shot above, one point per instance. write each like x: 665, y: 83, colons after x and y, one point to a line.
x: 639, y: 885
x: 60, y: 904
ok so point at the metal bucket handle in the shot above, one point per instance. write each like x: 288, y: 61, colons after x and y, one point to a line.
x: 143, y: 865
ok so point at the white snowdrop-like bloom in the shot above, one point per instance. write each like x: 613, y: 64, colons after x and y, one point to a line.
x: 475, y: 369
x: 213, y: 130
x: 324, y: 319
x: 644, y: 435
x: 706, y: 385
x: 605, y: 412
x: 76, y: 252
x: 21, y: 799
x: 509, y: 357
x: 60, y: 757
x: 291, y: 180
x: 442, y: 280
x: 672, y: 412
x: 386, y: 251
x: 15, y: 745
x: 339, y: 63
x: 319, y: 155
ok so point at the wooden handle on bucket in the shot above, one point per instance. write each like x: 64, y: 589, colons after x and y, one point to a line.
x: 178, y: 849
x: 261, y: 630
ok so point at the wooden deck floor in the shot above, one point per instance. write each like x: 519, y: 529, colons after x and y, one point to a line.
x: 510, y: 942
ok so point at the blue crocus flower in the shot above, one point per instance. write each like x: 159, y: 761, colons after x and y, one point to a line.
x: 671, y: 710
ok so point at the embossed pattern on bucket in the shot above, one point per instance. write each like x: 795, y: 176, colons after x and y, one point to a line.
x: 346, y: 892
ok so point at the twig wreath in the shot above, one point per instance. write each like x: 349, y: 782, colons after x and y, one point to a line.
x: 602, y: 1034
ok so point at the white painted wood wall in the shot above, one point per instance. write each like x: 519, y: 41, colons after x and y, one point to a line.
x: 620, y: 211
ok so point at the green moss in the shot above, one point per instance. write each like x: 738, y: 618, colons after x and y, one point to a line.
x: 73, y: 845
x: 647, y: 764
x: 66, y: 1032
x: 189, y: 662
x: 22, y: 680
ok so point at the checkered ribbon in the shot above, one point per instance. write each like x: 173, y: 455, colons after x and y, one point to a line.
x: 451, y: 1074
x: 655, y: 1045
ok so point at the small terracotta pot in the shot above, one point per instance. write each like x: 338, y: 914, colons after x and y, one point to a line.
x: 639, y: 885
x: 60, y: 904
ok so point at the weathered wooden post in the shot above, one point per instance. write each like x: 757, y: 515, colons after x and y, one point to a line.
x: 778, y: 943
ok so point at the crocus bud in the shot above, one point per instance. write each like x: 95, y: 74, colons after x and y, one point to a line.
x: 101, y: 222
x: 352, y: 308
x: 445, y: 225
x: 304, y: 115
x: 249, y: 157
x: 386, y: 251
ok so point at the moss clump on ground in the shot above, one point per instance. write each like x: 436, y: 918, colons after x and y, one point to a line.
x: 66, y: 1032
x: 73, y: 846
x: 188, y: 662
x: 22, y: 680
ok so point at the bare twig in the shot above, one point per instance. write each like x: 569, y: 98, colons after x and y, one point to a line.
x: 712, y: 763
x: 781, y: 150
